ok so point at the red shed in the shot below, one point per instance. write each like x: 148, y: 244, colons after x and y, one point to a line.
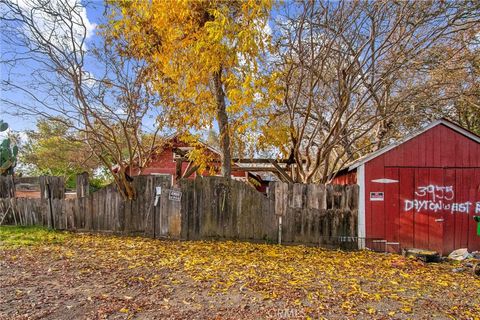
x: 163, y: 162
x: 421, y: 192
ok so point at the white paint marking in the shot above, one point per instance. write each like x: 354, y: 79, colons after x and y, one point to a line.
x: 385, y: 180
x: 438, y: 199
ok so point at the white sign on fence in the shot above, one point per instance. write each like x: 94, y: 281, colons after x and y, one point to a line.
x: 158, y: 193
x: 174, y: 195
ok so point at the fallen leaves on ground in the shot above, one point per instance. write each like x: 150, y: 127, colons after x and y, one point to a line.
x: 98, y: 276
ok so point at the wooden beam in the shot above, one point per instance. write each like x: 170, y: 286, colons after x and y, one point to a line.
x: 279, y: 176
x: 260, y: 160
x: 276, y: 169
x: 180, y: 152
x: 190, y: 171
x: 281, y: 171
x: 254, y: 169
x: 178, y: 169
x: 237, y: 160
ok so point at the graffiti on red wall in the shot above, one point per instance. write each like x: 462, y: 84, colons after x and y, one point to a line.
x: 439, y: 198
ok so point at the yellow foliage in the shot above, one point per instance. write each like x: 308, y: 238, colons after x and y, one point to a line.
x: 186, y: 42
x: 317, y: 282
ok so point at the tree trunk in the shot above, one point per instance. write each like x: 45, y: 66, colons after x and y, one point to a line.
x: 222, y: 118
x: 384, y: 128
x: 124, y: 184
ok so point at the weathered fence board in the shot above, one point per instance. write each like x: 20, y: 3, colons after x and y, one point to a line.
x: 7, y: 187
x: 52, y: 187
x: 83, y: 185
x: 23, y: 211
x: 221, y: 208
x: 204, y: 208
x: 317, y: 214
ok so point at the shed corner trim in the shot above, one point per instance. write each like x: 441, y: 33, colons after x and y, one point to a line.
x: 361, y: 207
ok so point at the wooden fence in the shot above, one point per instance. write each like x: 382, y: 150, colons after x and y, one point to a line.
x: 204, y: 208
x: 32, y: 187
x: 317, y: 214
x: 216, y: 207
x: 44, y: 210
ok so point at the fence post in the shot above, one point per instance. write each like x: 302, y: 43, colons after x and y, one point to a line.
x: 46, y: 195
x: 7, y: 187
x: 7, y: 191
x: 51, y: 188
x: 83, y: 185
x: 50, y: 208
x: 279, y: 229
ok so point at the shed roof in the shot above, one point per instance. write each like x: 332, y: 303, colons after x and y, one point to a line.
x: 355, y: 164
x: 202, y: 142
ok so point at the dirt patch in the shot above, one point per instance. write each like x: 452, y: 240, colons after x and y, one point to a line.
x: 104, y: 277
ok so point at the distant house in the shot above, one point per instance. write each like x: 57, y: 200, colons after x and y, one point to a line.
x: 171, y: 159
x: 29, y: 187
x: 421, y: 192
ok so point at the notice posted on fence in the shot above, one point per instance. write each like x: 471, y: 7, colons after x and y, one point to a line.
x: 174, y: 195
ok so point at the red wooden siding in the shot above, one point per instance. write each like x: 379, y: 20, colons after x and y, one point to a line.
x: 163, y: 162
x: 448, y: 164
x: 438, y: 147
x: 392, y: 219
x: 345, y: 178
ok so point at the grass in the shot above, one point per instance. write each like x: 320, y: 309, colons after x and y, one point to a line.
x: 15, y: 236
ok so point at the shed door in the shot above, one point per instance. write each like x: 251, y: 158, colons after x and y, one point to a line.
x: 421, y: 221
x: 436, y: 207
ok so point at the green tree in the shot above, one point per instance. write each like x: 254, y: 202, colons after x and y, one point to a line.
x: 53, y: 149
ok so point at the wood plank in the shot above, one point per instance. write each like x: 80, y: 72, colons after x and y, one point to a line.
x: 407, y: 186
x: 281, y: 171
x: 210, y: 207
x: 421, y: 220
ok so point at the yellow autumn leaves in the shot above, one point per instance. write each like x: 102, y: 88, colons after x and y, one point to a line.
x: 185, y: 43
x: 320, y: 283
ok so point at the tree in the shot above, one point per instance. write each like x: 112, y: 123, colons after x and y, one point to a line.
x: 8, y: 152
x: 212, y: 139
x: 454, y: 80
x: 80, y: 84
x: 203, y: 58
x: 350, y: 72
x: 53, y: 149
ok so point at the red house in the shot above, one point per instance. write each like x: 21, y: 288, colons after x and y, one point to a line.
x: 170, y: 159
x: 421, y: 192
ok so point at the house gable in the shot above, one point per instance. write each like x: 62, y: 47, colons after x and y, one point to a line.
x: 436, y: 140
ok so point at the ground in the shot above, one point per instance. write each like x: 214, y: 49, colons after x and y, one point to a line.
x: 56, y: 275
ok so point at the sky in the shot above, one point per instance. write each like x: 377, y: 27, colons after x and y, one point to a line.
x: 23, y: 71
x: 94, y: 17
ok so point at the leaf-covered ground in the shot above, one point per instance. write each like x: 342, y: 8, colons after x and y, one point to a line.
x: 68, y: 276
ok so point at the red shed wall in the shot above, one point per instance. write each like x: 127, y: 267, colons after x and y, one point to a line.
x: 346, y: 178
x: 164, y: 163
x: 437, y: 175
